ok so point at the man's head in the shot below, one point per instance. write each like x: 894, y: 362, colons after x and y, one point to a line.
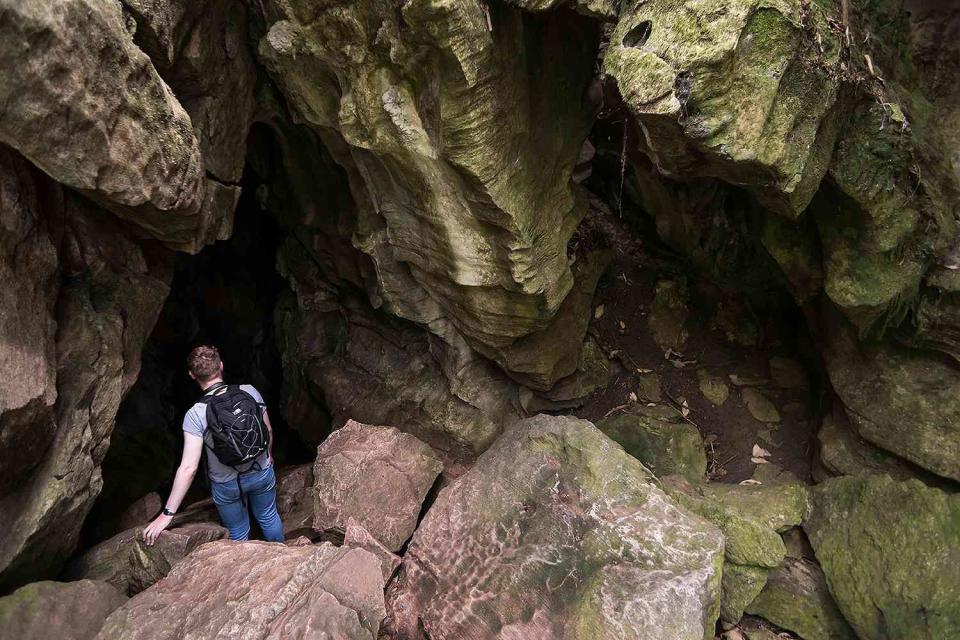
x: 204, y: 364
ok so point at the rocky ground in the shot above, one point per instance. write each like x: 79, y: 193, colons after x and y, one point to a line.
x: 582, y: 319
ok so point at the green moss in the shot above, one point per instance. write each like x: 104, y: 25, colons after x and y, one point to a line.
x: 741, y: 584
x: 666, y: 448
x: 889, y: 551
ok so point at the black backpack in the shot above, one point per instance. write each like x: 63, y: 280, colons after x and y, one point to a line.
x: 235, y: 424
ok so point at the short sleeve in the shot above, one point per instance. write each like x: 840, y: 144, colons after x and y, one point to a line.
x: 193, y: 421
x: 252, y: 390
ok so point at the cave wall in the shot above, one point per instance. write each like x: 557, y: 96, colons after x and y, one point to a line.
x: 420, y: 161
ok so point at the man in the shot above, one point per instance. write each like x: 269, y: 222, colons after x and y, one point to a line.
x: 250, y: 482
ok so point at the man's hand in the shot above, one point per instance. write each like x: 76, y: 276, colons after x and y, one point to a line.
x: 152, y: 532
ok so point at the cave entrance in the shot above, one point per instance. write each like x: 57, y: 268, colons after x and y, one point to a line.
x: 224, y: 296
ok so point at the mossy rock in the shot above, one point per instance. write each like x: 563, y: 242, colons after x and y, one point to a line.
x: 891, y: 555
x: 779, y: 506
x: 796, y: 598
x: 665, y: 447
x: 740, y: 584
x: 749, y: 539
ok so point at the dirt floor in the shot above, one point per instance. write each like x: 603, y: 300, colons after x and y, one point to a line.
x: 711, y: 357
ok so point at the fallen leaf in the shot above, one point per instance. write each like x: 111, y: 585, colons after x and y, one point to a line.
x: 750, y: 482
x: 759, y: 461
x: 598, y: 312
x: 711, y: 437
x: 641, y: 370
x: 623, y: 325
x: 760, y: 452
x: 632, y: 397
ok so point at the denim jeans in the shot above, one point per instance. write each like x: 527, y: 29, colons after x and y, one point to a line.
x: 259, y: 491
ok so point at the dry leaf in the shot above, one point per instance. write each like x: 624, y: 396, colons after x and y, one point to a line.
x: 760, y: 452
x: 750, y: 482
x: 759, y: 461
x: 632, y: 397
x: 642, y: 371
x: 623, y: 325
x: 598, y: 312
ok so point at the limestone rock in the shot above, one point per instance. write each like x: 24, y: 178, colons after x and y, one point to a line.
x: 796, y: 598
x: 468, y: 234
x: 741, y: 585
x: 759, y: 406
x: 665, y: 447
x: 258, y: 590
x: 557, y: 531
x: 126, y: 562
x: 668, y: 315
x: 886, y: 548
x: 746, y: 95
x: 62, y: 610
x: 903, y: 400
x: 295, y: 500
x: 357, y: 536
x: 713, y: 387
x: 110, y: 127
x: 111, y: 292
x: 378, y: 476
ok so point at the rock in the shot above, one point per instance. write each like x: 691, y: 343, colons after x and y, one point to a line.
x: 28, y: 265
x: 843, y: 452
x: 741, y: 585
x: 357, y: 536
x: 593, y: 373
x: 787, y: 373
x: 648, y: 388
x: 140, y: 512
x: 742, y: 96
x: 668, y: 315
x: 796, y: 598
x: 713, y: 387
x: 258, y: 590
x: 111, y: 128
x: 459, y: 244
x: 378, y: 476
x: 759, y: 405
x: 558, y: 531
x: 665, y: 447
x: 110, y: 294
x: 886, y: 550
x: 131, y: 566
x: 62, y: 610
x: 902, y: 400
x: 295, y: 500
x: 778, y: 506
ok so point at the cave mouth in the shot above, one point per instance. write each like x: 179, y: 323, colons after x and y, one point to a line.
x: 225, y: 296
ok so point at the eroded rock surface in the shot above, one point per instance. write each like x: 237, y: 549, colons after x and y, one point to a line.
x: 258, y: 590
x: 126, y: 562
x: 65, y: 610
x: 377, y: 476
x: 556, y: 531
x: 888, y: 550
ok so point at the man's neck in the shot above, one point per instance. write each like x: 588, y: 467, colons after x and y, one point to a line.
x: 209, y: 383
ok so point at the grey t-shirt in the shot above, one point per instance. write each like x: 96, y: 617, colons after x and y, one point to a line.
x: 195, y: 422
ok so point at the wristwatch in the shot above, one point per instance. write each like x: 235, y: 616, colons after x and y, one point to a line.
x: 167, y: 512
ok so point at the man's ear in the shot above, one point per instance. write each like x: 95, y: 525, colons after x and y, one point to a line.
x: 192, y: 377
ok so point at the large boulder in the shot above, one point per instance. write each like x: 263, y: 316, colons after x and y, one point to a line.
x: 732, y: 90
x: 130, y: 565
x: 378, y: 476
x: 62, y: 610
x: 258, y: 590
x: 106, y: 124
x: 556, y: 531
x: 889, y: 551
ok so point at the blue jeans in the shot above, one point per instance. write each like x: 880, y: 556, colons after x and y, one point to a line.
x: 260, y: 492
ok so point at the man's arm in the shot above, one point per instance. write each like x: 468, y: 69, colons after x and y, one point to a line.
x: 192, y: 449
x: 266, y: 421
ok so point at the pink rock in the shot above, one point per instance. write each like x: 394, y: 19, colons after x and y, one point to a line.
x: 258, y: 590
x: 377, y: 475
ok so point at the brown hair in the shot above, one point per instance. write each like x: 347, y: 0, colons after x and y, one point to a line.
x: 204, y: 362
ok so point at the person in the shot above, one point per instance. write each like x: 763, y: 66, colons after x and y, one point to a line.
x: 233, y: 488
